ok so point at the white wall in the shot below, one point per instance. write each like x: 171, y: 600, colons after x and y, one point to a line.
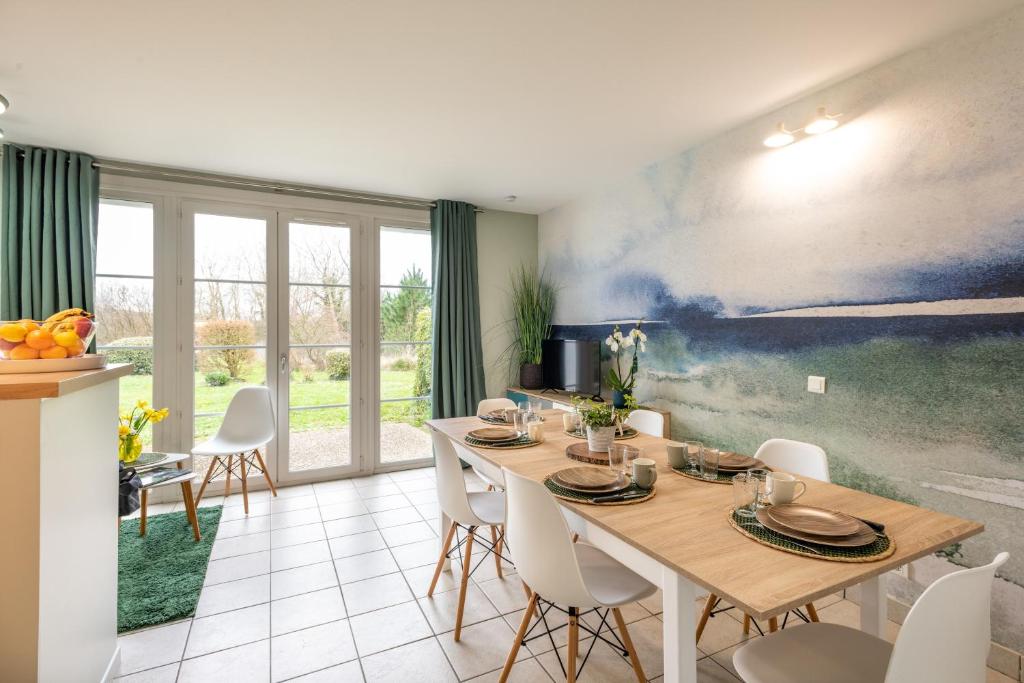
x: 504, y: 241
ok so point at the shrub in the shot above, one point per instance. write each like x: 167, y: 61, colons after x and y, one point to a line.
x: 227, y: 333
x: 339, y: 365
x: 424, y: 332
x: 142, y: 358
x: 217, y: 379
x: 402, y: 364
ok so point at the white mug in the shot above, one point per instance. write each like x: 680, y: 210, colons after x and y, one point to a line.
x: 782, y: 488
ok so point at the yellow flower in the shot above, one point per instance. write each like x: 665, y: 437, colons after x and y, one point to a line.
x: 141, y: 404
x: 161, y: 414
x: 149, y: 413
x: 122, y: 430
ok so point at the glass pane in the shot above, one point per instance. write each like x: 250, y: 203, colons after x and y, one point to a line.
x: 138, y: 387
x: 320, y: 315
x: 230, y: 314
x: 404, y: 314
x: 404, y: 257
x: 124, y: 312
x: 318, y: 438
x: 404, y: 371
x: 230, y: 248
x: 124, y: 242
x: 215, y: 385
x: 403, y: 434
x: 319, y: 254
x: 319, y: 376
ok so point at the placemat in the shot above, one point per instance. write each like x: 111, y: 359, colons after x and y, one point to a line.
x: 578, y: 497
x: 722, y: 477
x: 882, y: 548
x: 498, y: 421
x: 630, y: 434
x: 521, y: 442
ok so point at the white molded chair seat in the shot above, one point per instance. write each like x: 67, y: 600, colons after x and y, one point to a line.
x: 611, y: 583
x: 647, y: 422
x: 488, y: 508
x: 815, y: 653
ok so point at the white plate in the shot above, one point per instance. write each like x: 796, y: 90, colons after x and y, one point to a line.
x: 90, y: 361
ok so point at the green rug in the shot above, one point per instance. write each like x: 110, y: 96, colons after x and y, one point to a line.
x: 160, y: 575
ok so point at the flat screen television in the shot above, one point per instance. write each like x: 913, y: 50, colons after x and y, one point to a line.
x: 572, y: 365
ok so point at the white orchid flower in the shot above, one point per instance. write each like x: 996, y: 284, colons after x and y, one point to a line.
x: 615, y: 347
x: 627, y: 342
x: 643, y: 347
x: 610, y: 340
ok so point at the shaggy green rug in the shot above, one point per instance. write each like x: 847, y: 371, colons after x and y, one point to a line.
x: 160, y: 575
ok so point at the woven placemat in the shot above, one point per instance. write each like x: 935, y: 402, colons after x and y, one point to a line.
x: 577, y: 497
x: 521, y: 442
x: 630, y: 434
x: 721, y: 477
x: 498, y: 421
x: 882, y: 548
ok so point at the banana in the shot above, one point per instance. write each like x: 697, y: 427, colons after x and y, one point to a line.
x: 67, y: 313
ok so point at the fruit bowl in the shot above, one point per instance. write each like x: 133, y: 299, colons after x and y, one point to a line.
x: 66, y: 334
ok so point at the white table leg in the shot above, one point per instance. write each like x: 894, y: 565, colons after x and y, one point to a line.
x: 444, y: 522
x: 873, y: 606
x: 679, y: 627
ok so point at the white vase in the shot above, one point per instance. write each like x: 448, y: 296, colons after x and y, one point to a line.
x: 599, y: 439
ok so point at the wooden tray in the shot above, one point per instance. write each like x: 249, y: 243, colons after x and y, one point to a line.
x: 581, y: 452
x: 866, y: 535
x: 591, y: 479
x: 814, y: 521
x: 90, y: 361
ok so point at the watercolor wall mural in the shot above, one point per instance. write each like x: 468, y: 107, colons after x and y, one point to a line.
x: 886, y: 255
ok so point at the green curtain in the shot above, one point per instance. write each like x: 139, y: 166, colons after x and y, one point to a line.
x: 458, y: 366
x: 50, y: 202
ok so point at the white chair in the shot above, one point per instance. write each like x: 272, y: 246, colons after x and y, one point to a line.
x: 467, y: 511
x: 795, y: 457
x: 486, y: 406
x: 647, y: 422
x: 945, y: 639
x: 575, y: 576
x: 248, y: 426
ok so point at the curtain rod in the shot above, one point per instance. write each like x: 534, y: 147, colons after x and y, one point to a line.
x: 136, y: 170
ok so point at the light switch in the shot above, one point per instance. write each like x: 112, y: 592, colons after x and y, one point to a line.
x: 815, y: 385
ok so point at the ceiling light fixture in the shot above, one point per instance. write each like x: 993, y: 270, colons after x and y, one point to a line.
x: 822, y: 122
x: 780, y: 138
x: 4, y: 104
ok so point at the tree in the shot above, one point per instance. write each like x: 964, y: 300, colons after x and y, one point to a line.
x: 398, y: 310
x: 227, y: 333
x: 421, y: 382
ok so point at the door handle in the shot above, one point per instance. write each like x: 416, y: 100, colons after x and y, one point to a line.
x: 284, y: 363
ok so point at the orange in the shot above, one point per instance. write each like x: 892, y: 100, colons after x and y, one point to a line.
x: 76, y: 350
x: 23, y: 352
x: 29, y: 325
x: 13, y: 332
x: 54, y: 352
x: 67, y: 338
x: 39, y: 339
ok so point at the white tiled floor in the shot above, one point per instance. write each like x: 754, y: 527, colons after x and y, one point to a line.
x: 327, y: 582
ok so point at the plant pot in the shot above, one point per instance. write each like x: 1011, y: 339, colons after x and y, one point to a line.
x: 531, y: 376
x: 599, y: 439
x: 619, y: 398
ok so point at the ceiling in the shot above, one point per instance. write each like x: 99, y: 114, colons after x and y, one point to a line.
x: 461, y: 99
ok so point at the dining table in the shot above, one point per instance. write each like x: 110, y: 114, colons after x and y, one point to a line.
x: 681, y: 539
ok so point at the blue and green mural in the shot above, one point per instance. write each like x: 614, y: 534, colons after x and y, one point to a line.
x: 887, y: 255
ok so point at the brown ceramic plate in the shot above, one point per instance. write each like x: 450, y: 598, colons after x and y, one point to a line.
x: 591, y: 479
x: 864, y: 536
x: 736, y: 462
x: 814, y: 521
x: 494, y: 434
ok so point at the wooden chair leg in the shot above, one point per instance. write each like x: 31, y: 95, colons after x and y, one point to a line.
x: 746, y: 624
x: 812, y: 613
x: 227, y: 478
x: 628, y: 642
x: 497, y: 552
x: 574, y: 644
x: 441, y: 559
x: 190, y: 509
x: 705, y: 613
x: 467, y: 553
x: 245, y: 484
x: 142, y: 512
x: 207, y: 478
x: 266, y: 473
x: 773, y: 624
x: 520, y: 634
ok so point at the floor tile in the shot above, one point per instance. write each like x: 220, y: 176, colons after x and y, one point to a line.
x: 507, y: 594
x: 429, y: 512
x: 229, y: 629
x: 297, y: 535
x: 391, y: 502
x: 425, y: 497
x: 310, y: 649
x: 417, y: 554
x: 364, y: 566
x: 239, y: 545
x: 482, y: 648
x: 396, y: 517
x: 356, y: 544
x: 408, y: 475
x: 161, y: 674
x: 210, y: 500
x: 238, y: 511
x: 334, y: 485
x: 292, y: 491
x: 372, y: 480
x: 293, y: 503
x: 419, y: 580
x: 408, y: 533
x: 647, y: 639
x: 653, y: 603
x: 350, y: 508
x: 349, y: 525
x: 350, y: 672
x: 414, y: 485
x: 293, y: 556
x: 153, y: 647
x: 305, y: 610
x: 420, y: 662
x: 241, y: 527
x: 378, y: 489
x: 722, y: 632
x: 244, y: 663
x: 235, y: 499
x: 300, y: 580
x: 604, y: 665
x: 440, y: 609
x: 239, y: 567
x: 283, y: 520
x: 380, y: 591
x: 332, y: 497
x: 389, y: 627
x: 224, y: 597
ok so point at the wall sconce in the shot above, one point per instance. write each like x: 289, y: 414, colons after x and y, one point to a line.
x: 821, y: 123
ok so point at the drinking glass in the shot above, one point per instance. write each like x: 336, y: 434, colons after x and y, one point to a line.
x: 535, y: 405
x: 535, y: 428
x: 524, y: 406
x: 693, y: 450
x: 744, y: 494
x: 520, y: 421
x: 709, y: 463
x: 616, y: 458
x: 760, y: 478
x: 624, y: 455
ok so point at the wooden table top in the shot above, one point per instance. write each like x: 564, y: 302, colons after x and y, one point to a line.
x: 685, y: 526
x: 54, y: 384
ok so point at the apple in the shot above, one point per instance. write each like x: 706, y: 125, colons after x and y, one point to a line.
x: 6, y: 345
x: 83, y: 327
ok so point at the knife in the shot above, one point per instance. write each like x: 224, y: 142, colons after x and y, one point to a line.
x: 618, y: 497
x: 876, y: 526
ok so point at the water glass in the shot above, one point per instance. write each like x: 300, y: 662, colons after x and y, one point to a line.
x: 524, y: 407
x: 760, y: 477
x: 744, y: 494
x: 709, y: 458
x: 520, y: 421
x: 624, y: 455
x: 616, y: 458
x: 535, y: 405
x: 693, y: 449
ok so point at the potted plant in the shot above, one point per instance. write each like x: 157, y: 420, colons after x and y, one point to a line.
x: 533, y: 305
x: 600, y: 420
x: 129, y: 430
x: 622, y: 383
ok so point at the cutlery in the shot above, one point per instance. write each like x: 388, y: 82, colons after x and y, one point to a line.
x: 618, y: 497
x: 758, y: 525
x: 877, y: 526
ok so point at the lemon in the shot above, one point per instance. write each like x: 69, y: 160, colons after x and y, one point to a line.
x: 13, y: 332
